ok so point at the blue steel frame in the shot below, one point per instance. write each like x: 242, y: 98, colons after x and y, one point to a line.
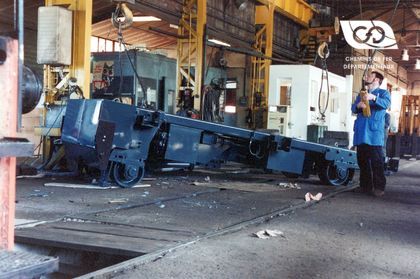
x: 153, y: 136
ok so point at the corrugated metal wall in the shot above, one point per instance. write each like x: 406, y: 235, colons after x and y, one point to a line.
x: 30, y: 23
x: 286, y: 37
x: 227, y: 21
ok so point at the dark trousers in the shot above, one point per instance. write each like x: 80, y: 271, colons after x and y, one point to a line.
x: 371, y: 163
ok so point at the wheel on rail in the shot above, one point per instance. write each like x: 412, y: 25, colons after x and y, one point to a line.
x: 127, y: 176
x: 330, y: 174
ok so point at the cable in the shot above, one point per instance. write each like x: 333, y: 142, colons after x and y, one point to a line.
x: 370, y: 60
x: 144, y: 102
x: 324, y: 73
x: 46, y: 135
x: 323, y: 53
x: 120, y: 63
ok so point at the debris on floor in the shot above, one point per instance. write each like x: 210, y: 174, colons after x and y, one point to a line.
x: 266, y: 234
x: 196, y: 183
x: 39, y: 194
x: 207, y: 179
x: 149, y: 179
x: 118, y: 200
x: 39, y: 175
x: 309, y: 197
x: 289, y: 185
x: 239, y: 171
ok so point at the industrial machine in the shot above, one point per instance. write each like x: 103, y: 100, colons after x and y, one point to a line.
x: 114, y: 75
x: 122, y: 140
x: 303, y: 105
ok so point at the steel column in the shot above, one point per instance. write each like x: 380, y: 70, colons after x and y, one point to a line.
x: 264, y: 18
x: 8, y: 116
x: 191, y: 47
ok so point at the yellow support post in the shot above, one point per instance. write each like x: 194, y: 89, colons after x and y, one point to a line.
x: 79, y: 68
x: 82, y: 30
x: 264, y: 18
x: 191, y: 47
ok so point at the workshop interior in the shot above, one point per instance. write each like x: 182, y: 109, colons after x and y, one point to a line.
x: 113, y: 92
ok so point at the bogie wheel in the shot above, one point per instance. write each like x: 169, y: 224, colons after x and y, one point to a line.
x: 330, y: 174
x: 126, y: 176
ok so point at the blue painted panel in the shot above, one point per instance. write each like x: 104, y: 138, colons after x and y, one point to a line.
x: 183, y: 144
x: 291, y: 161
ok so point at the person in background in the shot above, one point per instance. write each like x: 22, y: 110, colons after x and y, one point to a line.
x: 369, y: 135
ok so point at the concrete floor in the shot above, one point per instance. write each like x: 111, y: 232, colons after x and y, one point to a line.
x: 348, y: 236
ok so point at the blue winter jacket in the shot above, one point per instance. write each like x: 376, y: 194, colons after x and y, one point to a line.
x: 370, y: 130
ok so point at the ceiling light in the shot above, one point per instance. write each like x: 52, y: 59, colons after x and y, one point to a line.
x: 174, y: 26
x: 145, y: 18
x: 417, y: 67
x: 404, y: 55
x: 219, y: 42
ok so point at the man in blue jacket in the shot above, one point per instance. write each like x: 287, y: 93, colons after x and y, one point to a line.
x: 369, y: 135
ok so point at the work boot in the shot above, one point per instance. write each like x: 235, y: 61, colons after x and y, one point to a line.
x: 378, y: 193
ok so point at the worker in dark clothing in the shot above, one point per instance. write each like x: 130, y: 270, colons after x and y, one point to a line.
x: 369, y: 135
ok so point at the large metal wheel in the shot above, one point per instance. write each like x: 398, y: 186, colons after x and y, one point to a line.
x: 127, y: 176
x: 333, y: 175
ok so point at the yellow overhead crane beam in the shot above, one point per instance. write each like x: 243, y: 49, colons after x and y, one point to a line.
x: 297, y: 10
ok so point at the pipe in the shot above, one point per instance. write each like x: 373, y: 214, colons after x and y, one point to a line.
x: 20, y: 61
x: 251, y: 53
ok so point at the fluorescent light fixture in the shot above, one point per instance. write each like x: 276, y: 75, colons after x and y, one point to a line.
x: 404, y: 55
x: 145, y: 18
x: 417, y: 67
x: 230, y: 109
x: 219, y: 42
x: 174, y: 26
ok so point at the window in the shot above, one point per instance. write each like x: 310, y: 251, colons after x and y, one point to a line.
x: 334, y: 99
x: 285, y: 92
x: 104, y: 45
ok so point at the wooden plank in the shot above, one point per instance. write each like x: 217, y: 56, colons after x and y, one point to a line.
x: 155, y: 234
x: 89, y: 241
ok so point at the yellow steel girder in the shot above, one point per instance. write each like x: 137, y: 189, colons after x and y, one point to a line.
x: 264, y: 16
x: 297, y: 10
x: 190, y: 54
